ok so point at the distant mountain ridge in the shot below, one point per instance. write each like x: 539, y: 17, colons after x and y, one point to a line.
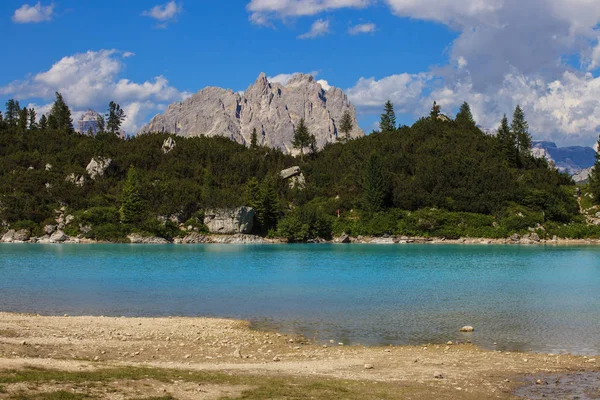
x: 574, y: 160
x: 271, y: 108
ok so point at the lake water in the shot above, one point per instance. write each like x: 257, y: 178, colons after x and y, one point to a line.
x: 521, y: 297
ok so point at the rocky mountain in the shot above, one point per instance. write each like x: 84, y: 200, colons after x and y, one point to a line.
x: 575, y: 160
x: 272, y: 108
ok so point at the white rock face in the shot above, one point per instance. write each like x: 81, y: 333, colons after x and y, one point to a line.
x: 168, y: 145
x: 98, y: 167
x: 230, y: 221
x: 583, y: 175
x: 272, y: 109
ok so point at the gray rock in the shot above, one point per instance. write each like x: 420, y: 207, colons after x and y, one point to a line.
x: 49, y: 229
x: 229, y: 221
x: 194, y: 238
x: 77, y: 180
x: 22, y: 235
x: 534, y: 237
x: 467, y: 328
x: 515, y: 237
x: 298, y: 182
x: 168, y: 145
x: 136, y: 238
x: 342, y: 239
x: 9, y: 236
x: 48, y: 167
x: 98, y: 166
x: 58, y: 237
x: 290, y: 172
x: 271, y: 108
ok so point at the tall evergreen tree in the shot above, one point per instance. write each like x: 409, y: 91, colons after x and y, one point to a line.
x: 464, y: 116
x: 13, y: 112
x: 312, y: 145
x: 43, y: 122
x: 435, y: 110
x: 32, y: 119
x: 115, y: 117
x: 346, y: 126
x: 268, y: 205
x: 1, y: 121
x: 61, y: 114
x: 101, y: 123
x: 254, y: 139
x: 594, y: 180
x: 23, y: 119
x: 520, y: 130
x: 506, y: 140
x: 131, y: 210
x: 301, y: 138
x: 374, y: 187
x: 387, y: 123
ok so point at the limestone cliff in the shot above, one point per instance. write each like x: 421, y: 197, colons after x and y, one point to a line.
x: 271, y: 108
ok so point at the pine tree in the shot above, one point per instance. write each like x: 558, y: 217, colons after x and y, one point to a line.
x: 464, y: 116
x: 1, y: 121
x: 254, y: 139
x: 131, y: 210
x: 43, y: 122
x: 115, y: 117
x: 32, y: 119
x: 520, y: 129
x: 374, y: 187
x: 101, y: 123
x: 23, y: 119
x: 312, y: 145
x: 387, y: 122
x: 61, y: 116
x: 301, y: 138
x: 268, y: 205
x: 252, y: 195
x: 13, y: 112
x: 594, y: 180
x: 435, y: 111
x: 506, y: 140
x: 346, y: 126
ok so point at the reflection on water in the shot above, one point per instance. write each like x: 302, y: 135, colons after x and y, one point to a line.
x: 540, y: 298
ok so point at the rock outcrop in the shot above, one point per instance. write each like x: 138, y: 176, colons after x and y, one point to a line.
x: 230, y: 221
x: 98, y: 166
x: 271, y: 108
x: 572, y: 160
x: 295, y: 177
x: 168, y: 145
x: 583, y: 175
x: 136, y: 238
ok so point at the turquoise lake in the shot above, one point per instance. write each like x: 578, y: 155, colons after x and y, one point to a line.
x: 521, y: 297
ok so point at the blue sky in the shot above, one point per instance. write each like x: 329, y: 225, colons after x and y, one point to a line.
x: 543, y: 54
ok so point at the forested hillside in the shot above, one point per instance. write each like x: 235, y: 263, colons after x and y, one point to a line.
x: 439, y: 177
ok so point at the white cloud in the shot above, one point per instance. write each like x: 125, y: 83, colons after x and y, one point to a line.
x: 33, y: 14
x: 324, y: 84
x: 262, y: 11
x: 164, y: 12
x: 91, y: 80
x: 318, y: 28
x: 362, y: 28
x: 285, y: 78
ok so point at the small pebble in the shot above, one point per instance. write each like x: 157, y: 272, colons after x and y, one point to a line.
x: 369, y: 366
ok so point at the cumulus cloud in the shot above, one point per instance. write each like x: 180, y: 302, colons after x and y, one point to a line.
x: 362, y: 28
x: 285, y: 78
x: 318, y: 28
x: 164, y: 12
x: 262, y: 11
x: 33, y: 14
x: 91, y: 80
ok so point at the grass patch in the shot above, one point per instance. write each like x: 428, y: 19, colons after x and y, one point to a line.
x: 60, y: 395
x: 261, y: 387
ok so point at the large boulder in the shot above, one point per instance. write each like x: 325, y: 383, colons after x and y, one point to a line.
x: 22, y: 235
x: 168, y: 145
x: 290, y: 172
x: 230, y: 221
x: 9, y: 236
x: 294, y: 176
x: 58, y: 237
x: 98, y: 166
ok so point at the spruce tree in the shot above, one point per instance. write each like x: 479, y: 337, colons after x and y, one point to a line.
x: 1, y: 121
x: 346, y: 126
x: 312, y: 145
x: 506, y: 140
x: 520, y: 130
x: 301, y: 138
x: 464, y: 116
x: 32, y: 119
x: 254, y: 139
x: 23, y: 119
x: 131, y: 210
x: 387, y: 122
x: 13, y: 113
x: 374, y: 187
x: 435, y: 111
x: 43, y: 122
x: 268, y: 205
x: 61, y: 114
x: 594, y: 180
x: 100, y: 123
x: 115, y: 117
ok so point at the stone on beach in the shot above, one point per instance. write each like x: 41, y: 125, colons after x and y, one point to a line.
x: 467, y: 328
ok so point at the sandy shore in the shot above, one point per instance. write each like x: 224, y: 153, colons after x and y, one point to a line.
x: 453, y: 371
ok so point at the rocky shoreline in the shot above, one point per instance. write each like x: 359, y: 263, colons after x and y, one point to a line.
x: 59, y: 237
